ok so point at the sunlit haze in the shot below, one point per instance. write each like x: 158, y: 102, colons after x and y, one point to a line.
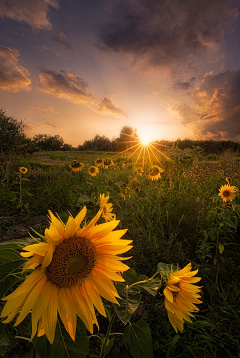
x: 82, y: 68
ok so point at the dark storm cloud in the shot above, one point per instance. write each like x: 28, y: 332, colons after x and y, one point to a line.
x: 165, y: 32
x: 33, y: 12
x: 106, y: 106
x: 65, y: 44
x: 218, y: 97
x: 13, y: 77
x: 65, y: 85
x: 184, y: 85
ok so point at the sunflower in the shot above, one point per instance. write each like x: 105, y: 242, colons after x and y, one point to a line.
x: 71, y: 271
x: 23, y: 170
x: 107, y: 163
x: 180, y: 296
x: 93, y: 171
x: 76, y: 166
x: 155, y: 172
x: 99, y: 162
x: 227, y: 192
x: 106, y: 208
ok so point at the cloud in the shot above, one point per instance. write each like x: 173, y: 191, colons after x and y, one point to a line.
x: 13, y: 77
x: 65, y: 44
x: 33, y: 12
x: 164, y: 32
x: 184, y: 85
x: 106, y: 106
x: 65, y: 85
x: 216, y: 113
x: 48, y: 110
x: 52, y: 124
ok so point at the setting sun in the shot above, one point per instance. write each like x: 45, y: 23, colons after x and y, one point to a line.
x: 146, y: 136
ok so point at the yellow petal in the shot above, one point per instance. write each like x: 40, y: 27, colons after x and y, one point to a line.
x: 70, y: 227
x: 49, y: 317
x: 81, y: 308
x: 67, y: 312
x: 168, y: 294
x: 48, y: 257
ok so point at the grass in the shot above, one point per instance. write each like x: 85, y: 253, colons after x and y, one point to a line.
x: 176, y: 219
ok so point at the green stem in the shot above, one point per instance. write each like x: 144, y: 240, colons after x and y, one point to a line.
x: 107, y: 334
x: 144, y: 281
x: 23, y: 338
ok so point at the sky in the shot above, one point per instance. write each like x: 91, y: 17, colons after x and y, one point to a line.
x: 78, y: 68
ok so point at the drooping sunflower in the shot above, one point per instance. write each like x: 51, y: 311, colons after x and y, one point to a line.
x: 155, y: 172
x: 227, y: 192
x: 76, y: 166
x: 23, y: 170
x: 107, y: 163
x: 71, y: 271
x: 106, y: 208
x: 99, y: 162
x: 181, y: 296
x: 93, y: 171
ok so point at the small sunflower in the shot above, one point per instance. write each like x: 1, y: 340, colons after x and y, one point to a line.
x: 227, y: 192
x: 155, y: 172
x: 23, y: 170
x: 71, y: 271
x: 106, y: 208
x: 121, y: 165
x: 180, y: 296
x: 93, y: 171
x: 76, y: 166
x: 99, y: 162
x: 107, y: 163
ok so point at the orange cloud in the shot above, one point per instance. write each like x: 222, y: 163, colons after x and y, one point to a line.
x: 13, y: 77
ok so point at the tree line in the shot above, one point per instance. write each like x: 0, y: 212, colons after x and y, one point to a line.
x: 13, y: 139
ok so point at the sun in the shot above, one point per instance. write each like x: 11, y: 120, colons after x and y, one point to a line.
x: 146, y: 136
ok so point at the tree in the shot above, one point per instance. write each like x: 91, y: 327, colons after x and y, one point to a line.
x: 126, y: 139
x: 12, y: 135
x: 48, y: 142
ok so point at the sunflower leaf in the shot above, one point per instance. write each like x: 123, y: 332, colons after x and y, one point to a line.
x: 166, y: 267
x: 10, y: 267
x: 138, y: 340
x: 63, y: 346
x: 131, y: 298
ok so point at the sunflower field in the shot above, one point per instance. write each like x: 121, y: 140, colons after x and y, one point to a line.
x: 106, y: 255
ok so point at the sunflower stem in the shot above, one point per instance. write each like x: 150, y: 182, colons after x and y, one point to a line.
x: 23, y: 338
x: 107, y: 335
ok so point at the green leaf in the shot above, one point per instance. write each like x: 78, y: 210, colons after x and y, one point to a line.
x: 83, y: 199
x: 18, y: 244
x: 130, y: 276
x: 220, y: 248
x: 166, y: 267
x: 151, y: 287
x: 63, y: 346
x: 7, y: 335
x: 10, y: 268
x: 138, y: 340
x: 130, y: 301
x: 172, y: 345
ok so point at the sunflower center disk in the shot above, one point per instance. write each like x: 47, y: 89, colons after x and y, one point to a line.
x: 72, y: 262
x: 226, y: 193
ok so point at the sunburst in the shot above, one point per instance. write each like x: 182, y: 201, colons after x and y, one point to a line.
x: 143, y: 151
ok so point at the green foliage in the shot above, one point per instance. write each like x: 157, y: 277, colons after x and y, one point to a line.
x: 138, y: 340
x: 12, y: 135
x: 63, y: 346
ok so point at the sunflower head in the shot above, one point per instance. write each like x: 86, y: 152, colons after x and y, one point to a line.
x: 227, y: 192
x: 106, y: 208
x: 181, y: 295
x: 107, y: 163
x: 72, y: 269
x: 99, y: 162
x: 121, y: 165
x: 23, y: 170
x: 155, y: 172
x: 76, y: 166
x: 93, y: 171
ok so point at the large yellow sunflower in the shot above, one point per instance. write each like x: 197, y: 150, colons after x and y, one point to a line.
x: 180, y: 296
x: 227, y: 192
x: 106, y: 208
x: 71, y: 271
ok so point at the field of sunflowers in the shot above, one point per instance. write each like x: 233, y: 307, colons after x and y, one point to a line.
x: 106, y: 255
